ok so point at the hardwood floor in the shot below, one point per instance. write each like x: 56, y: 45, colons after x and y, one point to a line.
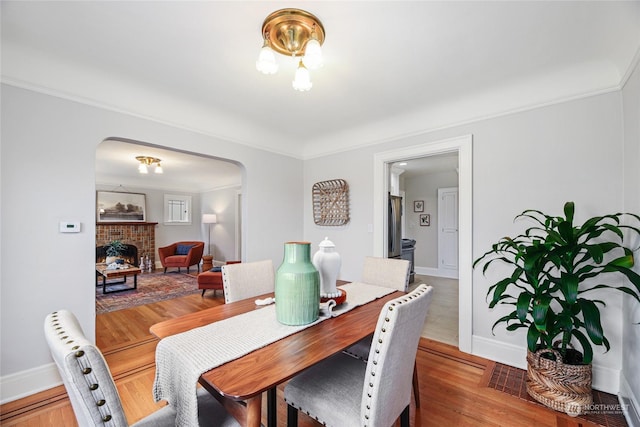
x: 442, y: 319
x: 450, y: 381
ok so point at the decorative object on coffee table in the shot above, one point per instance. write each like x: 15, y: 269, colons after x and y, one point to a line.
x: 297, y: 286
x: 114, y: 251
x: 128, y: 256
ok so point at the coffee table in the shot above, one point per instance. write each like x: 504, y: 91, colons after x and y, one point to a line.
x: 101, y: 270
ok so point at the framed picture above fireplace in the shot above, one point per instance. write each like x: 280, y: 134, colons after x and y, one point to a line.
x: 114, y: 206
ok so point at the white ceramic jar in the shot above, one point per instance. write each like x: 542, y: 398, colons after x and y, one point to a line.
x: 328, y: 262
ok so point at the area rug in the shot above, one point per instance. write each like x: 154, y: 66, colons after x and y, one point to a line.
x: 605, y: 411
x: 152, y: 287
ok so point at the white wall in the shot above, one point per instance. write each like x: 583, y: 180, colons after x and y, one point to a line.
x: 631, y: 309
x: 353, y: 240
x: 532, y: 159
x: 541, y: 159
x: 48, y: 175
x: 222, y: 203
x: 425, y: 187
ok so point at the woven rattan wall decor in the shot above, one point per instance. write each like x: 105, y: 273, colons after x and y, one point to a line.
x: 331, y: 202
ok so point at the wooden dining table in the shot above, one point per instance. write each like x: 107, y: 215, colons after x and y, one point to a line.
x: 240, y: 383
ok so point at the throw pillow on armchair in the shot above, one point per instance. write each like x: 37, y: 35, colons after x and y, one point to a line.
x: 183, y: 249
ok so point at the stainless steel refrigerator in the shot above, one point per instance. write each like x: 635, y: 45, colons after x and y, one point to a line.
x: 395, y: 227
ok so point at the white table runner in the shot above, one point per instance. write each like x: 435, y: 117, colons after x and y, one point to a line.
x: 182, y: 358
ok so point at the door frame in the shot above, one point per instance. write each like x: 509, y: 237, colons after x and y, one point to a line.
x: 463, y: 146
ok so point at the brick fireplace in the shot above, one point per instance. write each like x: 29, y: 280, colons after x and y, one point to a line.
x: 140, y: 234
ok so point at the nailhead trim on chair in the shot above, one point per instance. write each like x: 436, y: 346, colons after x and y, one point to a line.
x: 374, y: 361
x: 85, y: 368
x: 315, y: 417
x: 383, y: 330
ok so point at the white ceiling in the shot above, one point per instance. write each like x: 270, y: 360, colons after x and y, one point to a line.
x: 392, y: 68
x: 425, y: 165
x: 116, y: 165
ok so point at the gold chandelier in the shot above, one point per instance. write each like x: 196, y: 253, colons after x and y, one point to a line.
x: 146, y: 162
x: 295, y: 33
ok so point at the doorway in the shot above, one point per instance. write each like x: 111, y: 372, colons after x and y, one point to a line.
x: 197, y: 184
x: 204, y: 184
x: 463, y: 146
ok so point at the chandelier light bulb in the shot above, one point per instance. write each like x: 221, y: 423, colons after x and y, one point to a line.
x: 302, y: 80
x: 266, y: 62
x: 313, y: 53
x: 142, y: 168
x: 158, y: 168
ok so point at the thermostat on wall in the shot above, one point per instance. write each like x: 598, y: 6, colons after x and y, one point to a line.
x: 69, y: 227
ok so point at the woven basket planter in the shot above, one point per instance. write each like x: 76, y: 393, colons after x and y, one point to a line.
x: 565, y: 388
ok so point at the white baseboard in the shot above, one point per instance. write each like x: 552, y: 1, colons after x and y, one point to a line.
x: 427, y: 271
x: 629, y: 403
x: 430, y: 271
x: 25, y: 383
x: 497, y: 351
x: 604, y: 378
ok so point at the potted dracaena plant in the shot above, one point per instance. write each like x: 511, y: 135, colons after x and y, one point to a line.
x: 554, y: 267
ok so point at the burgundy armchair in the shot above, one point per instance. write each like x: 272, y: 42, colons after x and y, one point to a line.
x: 181, y: 254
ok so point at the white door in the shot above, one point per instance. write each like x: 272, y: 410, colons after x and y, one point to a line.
x: 448, y: 231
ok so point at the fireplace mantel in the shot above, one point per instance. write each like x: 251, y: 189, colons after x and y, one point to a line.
x: 140, y: 234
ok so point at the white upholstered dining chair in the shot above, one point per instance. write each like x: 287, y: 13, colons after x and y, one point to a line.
x: 346, y: 391
x: 247, y: 280
x: 387, y: 272
x: 90, y: 386
x: 390, y: 273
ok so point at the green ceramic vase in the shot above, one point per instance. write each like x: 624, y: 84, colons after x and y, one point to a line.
x: 297, y: 286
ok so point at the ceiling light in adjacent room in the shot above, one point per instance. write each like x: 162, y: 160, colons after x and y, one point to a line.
x: 146, y: 162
